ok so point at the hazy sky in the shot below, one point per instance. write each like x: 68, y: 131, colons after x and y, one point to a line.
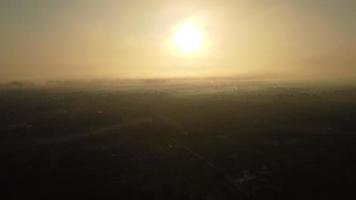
x: 55, y: 39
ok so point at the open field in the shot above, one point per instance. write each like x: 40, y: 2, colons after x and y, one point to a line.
x: 202, y: 139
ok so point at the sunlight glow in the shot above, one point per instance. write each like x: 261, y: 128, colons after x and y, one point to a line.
x: 189, y: 37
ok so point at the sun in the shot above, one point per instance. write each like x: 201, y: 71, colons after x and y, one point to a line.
x: 189, y: 38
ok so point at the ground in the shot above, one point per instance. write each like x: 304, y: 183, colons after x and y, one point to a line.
x: 178, y: 140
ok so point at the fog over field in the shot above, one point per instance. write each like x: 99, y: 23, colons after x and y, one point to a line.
x: 178, y: 99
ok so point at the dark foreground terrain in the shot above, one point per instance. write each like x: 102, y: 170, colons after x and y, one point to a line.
x: 185, y: 140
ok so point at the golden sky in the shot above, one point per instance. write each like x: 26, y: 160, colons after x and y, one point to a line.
x: 68, y: 39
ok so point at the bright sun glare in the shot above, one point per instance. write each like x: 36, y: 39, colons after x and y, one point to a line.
x: 189, y: 37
